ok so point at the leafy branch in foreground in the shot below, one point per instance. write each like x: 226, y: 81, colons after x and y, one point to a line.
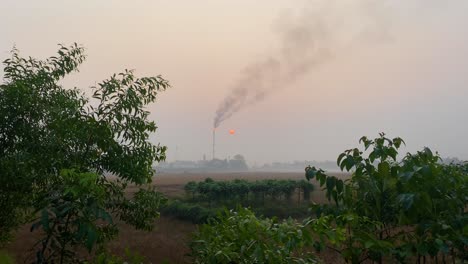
x: 56, y: 145
x: 394, y: 209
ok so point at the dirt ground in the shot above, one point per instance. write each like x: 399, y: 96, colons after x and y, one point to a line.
x: 168, y: 242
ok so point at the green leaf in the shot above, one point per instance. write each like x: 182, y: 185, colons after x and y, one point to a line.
x: 340, y: 157
x: 368, y: 244
x: 398, y: 141
x: 339, y: 186
x: 349, y: 162
x: 384, y: 169
x: 428, y: 152
x: 372, y: 156
x: 310, y: 173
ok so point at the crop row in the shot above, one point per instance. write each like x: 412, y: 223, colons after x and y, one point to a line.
x: 210, y: 190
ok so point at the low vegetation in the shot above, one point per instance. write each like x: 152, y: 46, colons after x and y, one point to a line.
x: 270, y: 198
x: 240, y: 237
x: 242, y: 191
x: 390, y: 210
x: 195, y: 213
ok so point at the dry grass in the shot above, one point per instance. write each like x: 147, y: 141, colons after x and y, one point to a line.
x: 167, y: 242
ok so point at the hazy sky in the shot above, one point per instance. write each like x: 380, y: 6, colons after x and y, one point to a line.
x: 395, y: 66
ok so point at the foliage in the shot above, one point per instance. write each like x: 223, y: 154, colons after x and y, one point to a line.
x: 191, y: 189
x: 393, y: 209
x: 73, y: 208
x: 199, y: 214
x: 240, y: 237
x: 241, y: 189
x: 56, y: 145
x: 195, y: 213
x: 142, y: 209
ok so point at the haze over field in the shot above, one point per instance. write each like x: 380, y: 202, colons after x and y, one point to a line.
x: 297, y: 80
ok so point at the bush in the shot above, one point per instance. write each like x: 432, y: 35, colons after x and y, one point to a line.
x: 197, y: 214
x: 241, y: 237
x: 210, y: 190
x: 394, y: 209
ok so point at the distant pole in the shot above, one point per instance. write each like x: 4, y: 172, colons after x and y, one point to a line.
x: 214, y: 133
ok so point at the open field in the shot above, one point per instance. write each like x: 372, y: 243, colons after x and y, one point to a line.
x: 169, y: 240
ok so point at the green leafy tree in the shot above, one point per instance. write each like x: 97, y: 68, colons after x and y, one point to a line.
x: 394, y: 209
x: 56, y: 145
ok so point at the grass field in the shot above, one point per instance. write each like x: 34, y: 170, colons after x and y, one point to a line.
x: 168, y: 242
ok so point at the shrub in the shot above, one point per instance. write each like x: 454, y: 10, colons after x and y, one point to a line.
x: 197, y: 214
x: 240, y: 237
x: 394, y: 209
x: 210, y: 190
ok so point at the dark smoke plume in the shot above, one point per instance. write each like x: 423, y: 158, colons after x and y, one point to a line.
x: 306, y: 41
